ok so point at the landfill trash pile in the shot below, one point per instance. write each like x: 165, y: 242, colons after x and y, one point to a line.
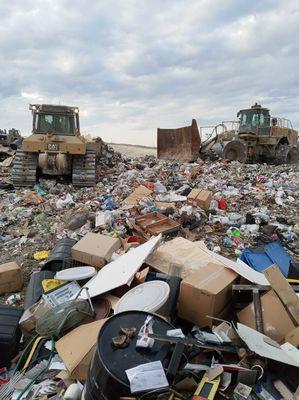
x: 164, y: 280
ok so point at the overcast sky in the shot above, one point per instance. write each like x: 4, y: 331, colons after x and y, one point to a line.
x: 134, y: 65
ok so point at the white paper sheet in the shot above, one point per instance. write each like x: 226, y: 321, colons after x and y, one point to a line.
x: 147, y: 376
x: 286, y: 353
x: 121, y: 271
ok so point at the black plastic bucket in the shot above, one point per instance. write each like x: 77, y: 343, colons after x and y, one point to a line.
x: 60, y: 257
x: 107, y: 378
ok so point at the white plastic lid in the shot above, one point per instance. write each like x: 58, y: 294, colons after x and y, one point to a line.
x: 75, y: 274
x: 149, y: 296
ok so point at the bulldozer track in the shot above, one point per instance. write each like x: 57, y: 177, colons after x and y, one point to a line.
x: 84, y: 169
x: 24, y: 169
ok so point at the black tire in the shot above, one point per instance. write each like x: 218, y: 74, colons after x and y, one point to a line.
x: 235, y: 151
x: 287, y: 154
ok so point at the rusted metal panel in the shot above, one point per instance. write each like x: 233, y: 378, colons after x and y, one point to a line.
x: 181, y: 144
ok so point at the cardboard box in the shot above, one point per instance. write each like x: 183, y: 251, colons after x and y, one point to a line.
x: 276, y: 320
x: 76, y: 348
x: 200, y: 197
x: 95, y: 249
x: 206, y: 292
x: 11, y: 279
x: 192, y: 195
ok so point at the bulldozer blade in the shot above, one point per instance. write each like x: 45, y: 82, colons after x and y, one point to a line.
x: 181, y: 144
x: 235, y: 151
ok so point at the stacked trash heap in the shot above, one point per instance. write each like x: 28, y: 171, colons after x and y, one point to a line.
x: 164, y: 281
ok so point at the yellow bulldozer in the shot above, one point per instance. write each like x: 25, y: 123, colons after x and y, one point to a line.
x: 261, y: 137
x: 55, y: 148
x: 256, y: 137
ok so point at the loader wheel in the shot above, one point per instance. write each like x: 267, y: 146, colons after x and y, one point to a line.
x: 287, y: 155
x: 235, y: 151
x: 293, y: 156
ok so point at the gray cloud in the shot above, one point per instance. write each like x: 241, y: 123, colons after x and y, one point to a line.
x: 134, y: 66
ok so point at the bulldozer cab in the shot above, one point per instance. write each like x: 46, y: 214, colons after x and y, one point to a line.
x: 255, y: 120
x: 59, y: 120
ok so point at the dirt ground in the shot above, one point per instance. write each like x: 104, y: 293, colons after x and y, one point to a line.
x: 134, y: 151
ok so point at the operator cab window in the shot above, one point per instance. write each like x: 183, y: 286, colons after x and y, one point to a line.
x: 63, y: 124
x: 46, y: 123
x: 255, y: 119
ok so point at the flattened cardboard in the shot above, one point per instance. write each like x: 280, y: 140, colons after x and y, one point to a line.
x: 206, y: 292
x: 276, y: 320
x: 11, y: 279
x: 284, y: 291
x: 95, y: 249
x: 138, y: 194
x: 76, y: 348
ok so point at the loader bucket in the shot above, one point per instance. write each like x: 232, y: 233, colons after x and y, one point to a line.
x: 181, y: 144
x: 235, y: 150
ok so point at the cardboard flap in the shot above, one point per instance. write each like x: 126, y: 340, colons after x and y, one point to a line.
x: 75, y: 345
x: 212, y: 277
